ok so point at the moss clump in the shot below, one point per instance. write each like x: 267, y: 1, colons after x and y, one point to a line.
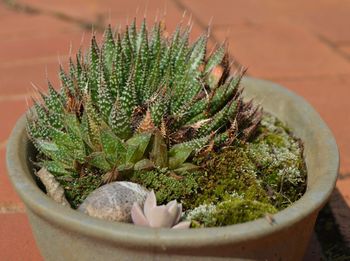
x: 77, y: 189
x: 229, y: 212
x: 167, y: 185
x: 229, y: 171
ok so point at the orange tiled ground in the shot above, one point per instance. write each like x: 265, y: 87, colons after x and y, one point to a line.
x: 304, y: 45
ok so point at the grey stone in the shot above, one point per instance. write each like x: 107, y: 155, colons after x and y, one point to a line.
x: 114, y: 201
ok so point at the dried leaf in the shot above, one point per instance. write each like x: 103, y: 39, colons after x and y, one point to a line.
x: 53, y: 187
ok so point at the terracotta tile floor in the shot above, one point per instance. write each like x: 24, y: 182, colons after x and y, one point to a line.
x: 304, y: 45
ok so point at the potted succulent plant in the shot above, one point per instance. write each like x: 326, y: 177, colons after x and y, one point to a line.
x: 147, y: 119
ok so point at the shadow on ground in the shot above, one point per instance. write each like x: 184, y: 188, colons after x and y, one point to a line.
x: 329, y: 233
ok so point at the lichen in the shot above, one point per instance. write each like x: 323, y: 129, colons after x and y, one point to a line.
x: 278, y: 157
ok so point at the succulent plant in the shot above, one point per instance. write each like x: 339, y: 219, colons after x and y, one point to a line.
x: 166, y: 216
x: 140, y: 100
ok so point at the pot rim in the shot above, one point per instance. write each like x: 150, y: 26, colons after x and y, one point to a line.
x: 130, y: 235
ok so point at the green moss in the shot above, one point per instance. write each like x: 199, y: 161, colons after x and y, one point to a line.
x: 77, y: 189
x: 167, y: 185
x: 229, y: 212
x: 275, y: 140
x: 236, y: 211
x: 227, y: 172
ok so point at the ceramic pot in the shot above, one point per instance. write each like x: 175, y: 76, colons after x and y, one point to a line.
x: 65, y: 234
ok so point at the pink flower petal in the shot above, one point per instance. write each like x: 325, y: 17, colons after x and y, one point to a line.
x: 173, y: 210
x: 150, y: 203
x: 179, y: 213
x: 182, y: 225
x: 160, y: 217
x: 137, y: 215
x: 173, y: 202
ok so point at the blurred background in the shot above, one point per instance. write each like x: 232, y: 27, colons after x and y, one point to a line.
x: 303, y: 45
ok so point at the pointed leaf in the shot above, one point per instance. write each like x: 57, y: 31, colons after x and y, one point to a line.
x: 108, y: 48
x: 113, y: 147
x: 94, y: 59
x: 98, y: 160
x: 119, y: 121
x: 186, y: 167
x: 159, y: 153
x: 57, y: 168
x: 178, y: 155
x: 144, y: 164
x: 215, y: 59
x: 137, y: 146
x: 132, y: 155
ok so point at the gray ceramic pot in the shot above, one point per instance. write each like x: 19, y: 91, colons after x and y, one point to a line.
x: 65, y: 234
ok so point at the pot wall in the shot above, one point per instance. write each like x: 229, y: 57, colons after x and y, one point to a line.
x: 58, y: 243
x: 65, y: 234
